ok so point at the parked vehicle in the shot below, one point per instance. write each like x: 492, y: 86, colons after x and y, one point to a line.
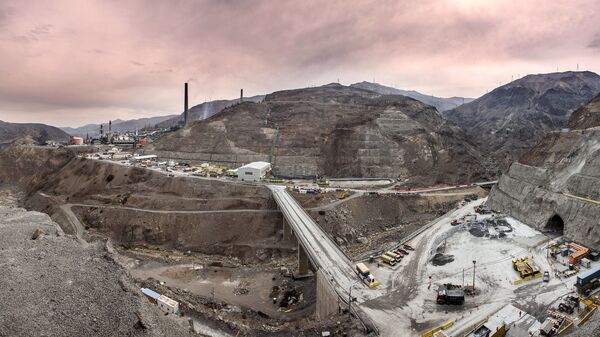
x: 450, y: 296
x: 546, y: 277
x: 408, y: 246
x: 388, y: 260
x: 365, y: 275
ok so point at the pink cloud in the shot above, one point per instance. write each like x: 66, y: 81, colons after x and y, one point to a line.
x: 73, y: 62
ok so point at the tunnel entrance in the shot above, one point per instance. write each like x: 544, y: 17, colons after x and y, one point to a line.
x: 555, y: 224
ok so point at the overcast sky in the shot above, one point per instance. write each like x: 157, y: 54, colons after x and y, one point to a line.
x: 72, y: 62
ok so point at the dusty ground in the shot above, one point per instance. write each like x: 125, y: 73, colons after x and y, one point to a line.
x: 364, y: 223
x: 409, y: 299
x: 91, y: 295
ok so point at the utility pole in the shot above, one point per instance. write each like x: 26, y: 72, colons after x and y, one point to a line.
x: 463, y: 277
x: 474, y: 275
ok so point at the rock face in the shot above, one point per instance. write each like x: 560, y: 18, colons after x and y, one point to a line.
x: 588, y: 116
x: 515, y: 116
x: 30, y: 133
x: 335, y: 131
x: 440, y: 103
x: 206, y: 110
x: 556, y: 184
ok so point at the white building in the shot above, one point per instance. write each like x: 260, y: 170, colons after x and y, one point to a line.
x: 168, y: 305
x: 136, y: 159
x: 254, y: 171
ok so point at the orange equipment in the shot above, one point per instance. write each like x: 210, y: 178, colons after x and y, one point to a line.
x: 580, y: 253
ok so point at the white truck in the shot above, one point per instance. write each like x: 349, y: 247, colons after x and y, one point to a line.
x: 365, y: 275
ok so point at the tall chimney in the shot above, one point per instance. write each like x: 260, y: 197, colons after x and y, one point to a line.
x: 241, y: 95
x: 185, y: 106
x: 109, y: 126
x: 101, y: 131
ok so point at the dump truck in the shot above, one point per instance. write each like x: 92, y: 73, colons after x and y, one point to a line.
x: 365, y: 275
x: 450, y: 296
x: 396, y: 257
x: 388, y: 260
x: 588, y: 280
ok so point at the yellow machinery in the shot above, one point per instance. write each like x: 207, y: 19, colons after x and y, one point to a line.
x: 323, y: 182
x: 343, y: 195
x: 526, y: 268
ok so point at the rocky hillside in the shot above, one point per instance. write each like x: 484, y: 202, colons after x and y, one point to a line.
x: 334, y: 131
x: 30, y: 133
x: 207, y: 109
x: 515, y: 116
x: 90, y: 296
x: 556, y: 183
x: 588, y: 116
x: 440, y: 103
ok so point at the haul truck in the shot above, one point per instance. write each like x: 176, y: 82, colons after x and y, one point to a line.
x: 388, y: 260
x: 366, y: 276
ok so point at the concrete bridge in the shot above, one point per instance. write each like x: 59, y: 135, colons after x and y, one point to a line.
x: 337, y: 281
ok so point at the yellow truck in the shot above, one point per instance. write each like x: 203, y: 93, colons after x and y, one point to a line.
x: 388, y: 260
x: 365, y: 275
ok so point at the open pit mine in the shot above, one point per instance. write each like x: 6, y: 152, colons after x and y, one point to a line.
x: 324, y: 211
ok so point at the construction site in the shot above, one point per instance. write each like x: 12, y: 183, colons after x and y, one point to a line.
x: 312, y: 207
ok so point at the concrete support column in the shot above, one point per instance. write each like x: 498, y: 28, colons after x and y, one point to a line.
x: 327, y: 299
x: 287, y: 230
x: 303, y: 263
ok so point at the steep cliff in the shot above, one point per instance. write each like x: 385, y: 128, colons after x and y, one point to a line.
x: 510, y: 119
x: 335, y: 131
x: 556, y: 185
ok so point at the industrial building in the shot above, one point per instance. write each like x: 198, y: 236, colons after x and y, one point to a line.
x: 254, y: 171
x: 135, y: 159
x: 165, y: 303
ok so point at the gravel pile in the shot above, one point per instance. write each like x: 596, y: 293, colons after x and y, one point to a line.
x: 50, y: 285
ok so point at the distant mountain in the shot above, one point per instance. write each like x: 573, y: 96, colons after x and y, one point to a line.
x: 442, y: 104
x: 517, y: 115
x: 588, y: 116
x: 117, y: 125
x: 207, y: 109
x: 334, y: 131
x: 30, y: 133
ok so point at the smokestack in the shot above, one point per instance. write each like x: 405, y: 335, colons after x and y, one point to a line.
x: 185, y: 106
x: 109, y: 126
x: 101, y: 130
x: 241, y: 95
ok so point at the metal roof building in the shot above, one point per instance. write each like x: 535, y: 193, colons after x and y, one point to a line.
x: 254, y: 171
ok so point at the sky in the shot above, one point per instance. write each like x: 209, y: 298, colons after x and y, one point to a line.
x: 72, y: 62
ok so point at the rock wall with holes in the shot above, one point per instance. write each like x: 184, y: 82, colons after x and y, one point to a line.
x: 557, y: 180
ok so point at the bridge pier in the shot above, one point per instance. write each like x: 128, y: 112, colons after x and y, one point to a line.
x: 303, y: 262
x: 327, y: 299
x: 287, y: 229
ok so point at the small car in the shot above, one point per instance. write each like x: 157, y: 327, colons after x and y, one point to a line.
x: 546, y: 277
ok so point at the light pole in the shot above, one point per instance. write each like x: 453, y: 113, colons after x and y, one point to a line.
x: 474, y: 275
